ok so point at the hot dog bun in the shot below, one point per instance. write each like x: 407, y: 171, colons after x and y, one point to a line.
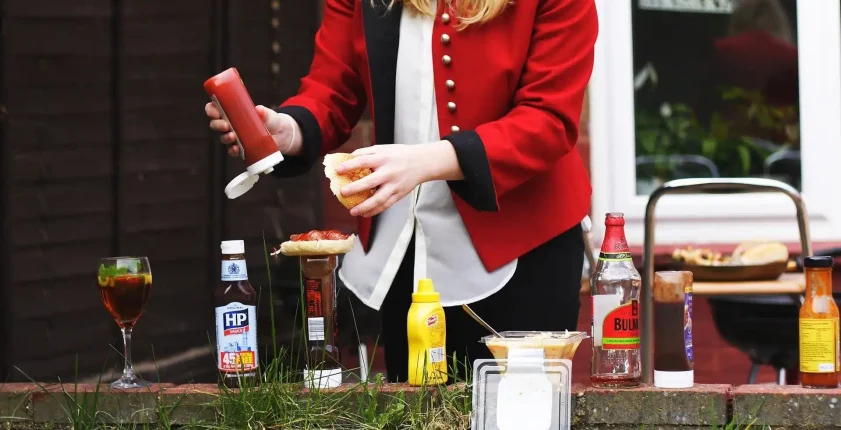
x: 338, y: 181
x: 316, y: 247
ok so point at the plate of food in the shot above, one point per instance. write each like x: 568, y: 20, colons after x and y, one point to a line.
x: 750, y: 261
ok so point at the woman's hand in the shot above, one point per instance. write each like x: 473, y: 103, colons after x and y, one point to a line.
x: 398, y: 169
x: 284, y: 130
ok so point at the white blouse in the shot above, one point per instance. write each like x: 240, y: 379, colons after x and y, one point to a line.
x: 443, y: 249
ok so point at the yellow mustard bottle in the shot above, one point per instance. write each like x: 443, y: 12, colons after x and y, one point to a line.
x: 427, y: 331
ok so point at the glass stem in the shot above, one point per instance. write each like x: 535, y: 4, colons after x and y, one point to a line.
x: 128, y: 371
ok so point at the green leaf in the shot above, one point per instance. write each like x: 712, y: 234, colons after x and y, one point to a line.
x: 647, y: 141
x: 111, y: 271
x: 744, y: 155
x: 709, y: 146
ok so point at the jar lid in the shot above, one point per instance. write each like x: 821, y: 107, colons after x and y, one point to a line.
x: 818, y: 261
x: 240, y: 185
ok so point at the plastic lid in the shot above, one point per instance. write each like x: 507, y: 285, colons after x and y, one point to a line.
x: 426, y: 292
x: 240, y: 185
x: 820, y: 261
x: 511, y: 397
x: 231, y: 247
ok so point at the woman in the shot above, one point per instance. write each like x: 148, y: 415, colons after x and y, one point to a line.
x: 476, y: 105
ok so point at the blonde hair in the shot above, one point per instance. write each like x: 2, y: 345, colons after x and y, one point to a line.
x: 467, y: 12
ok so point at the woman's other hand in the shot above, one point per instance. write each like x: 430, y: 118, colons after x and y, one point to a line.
x: 284, y: 130
x: 398, y: 169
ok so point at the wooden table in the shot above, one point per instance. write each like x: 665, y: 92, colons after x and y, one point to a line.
x: 789, y: 283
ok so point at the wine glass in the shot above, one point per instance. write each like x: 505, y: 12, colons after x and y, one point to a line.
x: 125, y: 284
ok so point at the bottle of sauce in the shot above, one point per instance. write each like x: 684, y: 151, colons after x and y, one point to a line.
x: 324, y: 368
x: 615, y: 290
x: 256, y: 145
x: 236, y: 320
x: 819, y: 359
x: 673, y: 365
x: 427, y: 331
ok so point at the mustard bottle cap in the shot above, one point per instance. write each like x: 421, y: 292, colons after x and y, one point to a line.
x: 426, y: 292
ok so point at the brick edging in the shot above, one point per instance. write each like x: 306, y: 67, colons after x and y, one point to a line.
x: 702, y: 405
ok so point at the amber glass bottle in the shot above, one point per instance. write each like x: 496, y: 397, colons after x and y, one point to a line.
x: 819, y: 359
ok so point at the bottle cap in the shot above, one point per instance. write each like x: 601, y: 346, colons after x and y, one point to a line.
x: 674, y: 380
x: 614, y: 237
x: 614, y: 218
x: 266, y: 165
x: 240, y: 185
x: 231, y: 247
x: 426, y: 292
x: 819, y: 261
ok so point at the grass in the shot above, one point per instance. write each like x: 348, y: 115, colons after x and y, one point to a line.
x: 278, y: 402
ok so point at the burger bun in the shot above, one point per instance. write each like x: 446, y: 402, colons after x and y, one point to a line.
x: 337, y: 181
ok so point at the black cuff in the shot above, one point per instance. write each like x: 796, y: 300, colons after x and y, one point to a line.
x: 477, y: 187
x: 311, y: 143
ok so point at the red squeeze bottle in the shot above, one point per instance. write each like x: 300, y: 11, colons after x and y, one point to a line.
x: 256, y: 145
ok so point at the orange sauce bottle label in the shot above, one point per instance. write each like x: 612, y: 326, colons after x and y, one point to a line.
x: 818, y: 345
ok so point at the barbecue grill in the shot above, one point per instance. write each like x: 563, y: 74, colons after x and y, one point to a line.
x: 764, y: 327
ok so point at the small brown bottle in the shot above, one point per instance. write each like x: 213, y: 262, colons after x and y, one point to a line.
x: 236, y: 321
x: 819, y: 327
x: 324, y: 368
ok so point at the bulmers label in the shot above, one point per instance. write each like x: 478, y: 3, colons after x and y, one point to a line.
x: 615, y: 256
x: 621, y: 327
x: 602, y: 305
x: 236, y: 337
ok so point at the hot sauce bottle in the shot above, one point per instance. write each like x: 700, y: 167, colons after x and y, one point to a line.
x: 615, y: 291
x: 256, y: 145
x: 819, y: 349
x: 236, y: 320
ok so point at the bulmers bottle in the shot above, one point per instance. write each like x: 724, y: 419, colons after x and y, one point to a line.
x: 236, y: 320
x: 615, y: 290
x: 427, y: 334
x: 819, y: 327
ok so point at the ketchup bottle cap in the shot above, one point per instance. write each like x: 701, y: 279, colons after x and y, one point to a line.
x: 240, y: 185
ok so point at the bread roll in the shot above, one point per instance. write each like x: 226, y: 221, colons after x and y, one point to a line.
x: 338, y: 181
x: 758, y: 253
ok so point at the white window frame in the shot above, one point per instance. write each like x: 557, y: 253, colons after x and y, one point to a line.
x: 729, y: 219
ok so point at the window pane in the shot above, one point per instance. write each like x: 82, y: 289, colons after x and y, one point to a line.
x: 716, y: 90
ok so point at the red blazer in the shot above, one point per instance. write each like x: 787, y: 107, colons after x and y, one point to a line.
x: 509, y: 96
